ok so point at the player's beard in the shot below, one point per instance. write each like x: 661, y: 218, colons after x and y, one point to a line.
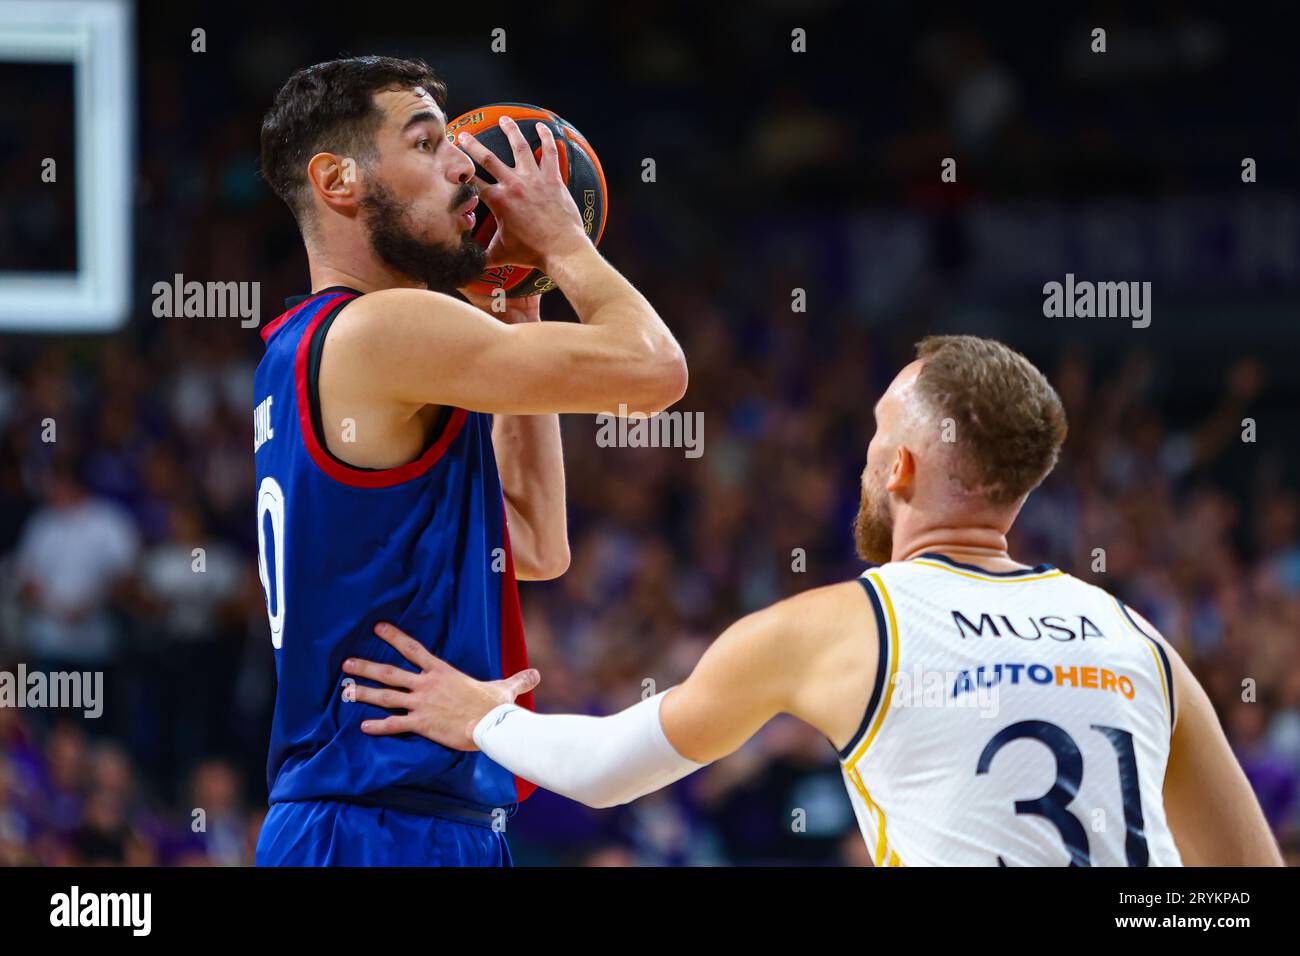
x: 873, y: 529
x: 393, y: 238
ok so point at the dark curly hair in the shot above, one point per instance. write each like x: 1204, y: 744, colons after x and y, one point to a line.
x: 331, y: 106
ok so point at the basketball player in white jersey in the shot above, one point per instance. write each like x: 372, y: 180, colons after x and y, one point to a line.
x: 985, y: 712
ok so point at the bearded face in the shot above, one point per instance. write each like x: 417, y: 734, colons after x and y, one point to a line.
x: 873, y: 529
x: 398, y: 242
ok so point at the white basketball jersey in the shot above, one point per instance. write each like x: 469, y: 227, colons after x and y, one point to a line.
x: 1018, y: 719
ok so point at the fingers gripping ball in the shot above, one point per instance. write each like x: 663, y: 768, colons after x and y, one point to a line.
x: 578, y: 165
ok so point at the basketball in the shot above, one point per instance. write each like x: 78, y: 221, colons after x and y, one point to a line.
x: 578, y: 165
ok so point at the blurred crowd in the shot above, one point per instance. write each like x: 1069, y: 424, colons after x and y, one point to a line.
x: 152, y: 462
x: 126, y: 469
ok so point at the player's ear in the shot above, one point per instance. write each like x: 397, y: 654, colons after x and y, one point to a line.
x: 902, y: 472
x: 333, y: 179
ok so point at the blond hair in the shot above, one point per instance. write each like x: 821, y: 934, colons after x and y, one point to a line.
x: 1010, y: 423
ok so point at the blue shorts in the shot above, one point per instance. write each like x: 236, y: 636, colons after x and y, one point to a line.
x: 332, y: 833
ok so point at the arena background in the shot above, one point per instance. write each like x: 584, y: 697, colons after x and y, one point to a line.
x: 775, y: 171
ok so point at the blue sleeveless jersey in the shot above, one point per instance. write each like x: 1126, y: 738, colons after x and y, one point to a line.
x: 423, y: 546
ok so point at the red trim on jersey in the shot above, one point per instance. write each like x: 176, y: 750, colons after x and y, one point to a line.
x: 346, y: 474
x: 514, y: 652
x: 273, y: 326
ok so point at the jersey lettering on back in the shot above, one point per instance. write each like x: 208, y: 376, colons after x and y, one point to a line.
x: 1018, y: 719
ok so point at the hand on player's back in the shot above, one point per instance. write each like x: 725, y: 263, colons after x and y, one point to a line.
x: 536, y: 216
x: 441, y: 703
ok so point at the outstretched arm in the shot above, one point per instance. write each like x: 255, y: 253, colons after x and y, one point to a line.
x: 737, y: 687
x: 785, y: 659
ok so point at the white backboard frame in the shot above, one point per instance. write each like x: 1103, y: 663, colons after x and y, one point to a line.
x: 95, y: 37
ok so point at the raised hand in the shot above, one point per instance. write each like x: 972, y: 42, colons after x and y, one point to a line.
x: 536, y: 216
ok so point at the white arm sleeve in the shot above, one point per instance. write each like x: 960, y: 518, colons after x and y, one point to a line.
x: 599, y: 761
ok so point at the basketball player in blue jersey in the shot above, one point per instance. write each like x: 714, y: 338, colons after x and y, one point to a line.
x: 985, y: 712
x: 408, y: 451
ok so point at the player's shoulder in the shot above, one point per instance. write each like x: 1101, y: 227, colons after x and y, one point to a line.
x: 832, y: 651
x: 806, y: 617
x: 372, y: 332
x: 813, y: 622
x: 1132, y: 616
x: 390, y: 307
x: 1140, y: 622
x: 1179, y: 672
x: 1176, y: 670
x: 823, y: 605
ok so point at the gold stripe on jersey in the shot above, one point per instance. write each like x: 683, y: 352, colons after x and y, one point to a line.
x: 1155, y: 655
x: 884, y: 856
x: 888, y: 690
x: 872, y: 809
x: 1054, y: 573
